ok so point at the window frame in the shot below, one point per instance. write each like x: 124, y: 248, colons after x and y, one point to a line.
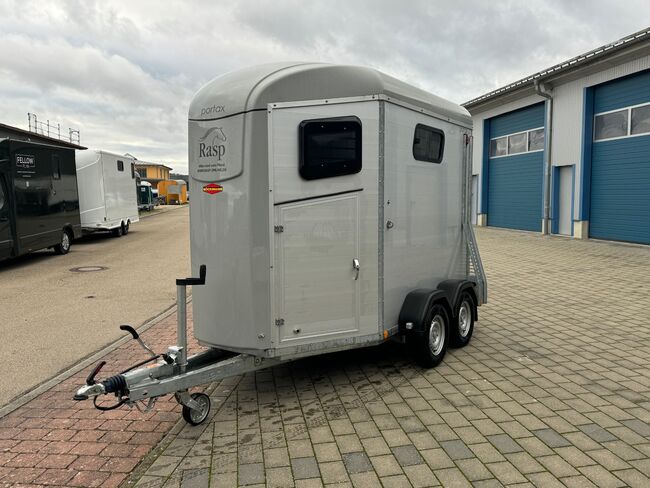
x: 435, y: 130
x: 629, y: 109
x: 120, y: 165
x: 507, y: 138
x: 310, y: 172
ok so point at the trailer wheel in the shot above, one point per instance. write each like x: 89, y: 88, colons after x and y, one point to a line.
x: 464, y: 323
x: 63, y: 247
x: 196, y: 417
x: 125, y: 229
x: 429, y: 348
x: 117, y: 232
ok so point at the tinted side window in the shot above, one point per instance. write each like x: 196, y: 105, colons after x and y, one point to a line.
x: 56, y: 167
x: 133, y: 170
x: 330, y: 147
x: 120, y: 165
x: 2, y: 194
x: 428, y: 144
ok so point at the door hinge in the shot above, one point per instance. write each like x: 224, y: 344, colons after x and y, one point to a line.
x: 278, y: 229
x: 279, y: 322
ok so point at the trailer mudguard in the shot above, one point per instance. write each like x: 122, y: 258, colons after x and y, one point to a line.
x: 415, y: 306
x: 454, y: 288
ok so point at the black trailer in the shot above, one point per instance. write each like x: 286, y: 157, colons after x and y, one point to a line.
x: 39, y: 202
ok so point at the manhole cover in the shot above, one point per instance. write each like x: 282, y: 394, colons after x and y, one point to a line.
x: 88, y: 269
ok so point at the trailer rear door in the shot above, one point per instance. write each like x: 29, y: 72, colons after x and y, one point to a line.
x: 317, y: 283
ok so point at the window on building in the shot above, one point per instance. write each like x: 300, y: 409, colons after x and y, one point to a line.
x: 428, y: 144
x: 612, y: 124
x: 56, y: 167
x: 142, y: 172
x: 517, y: 143
x: 120, y: 165
x: 536, y: 140
x: 640, y: 120
x: 330, y: 147
x: 498, y: 147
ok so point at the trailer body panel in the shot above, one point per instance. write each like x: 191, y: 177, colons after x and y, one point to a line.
x: 107, y: 190
x: 305, y: 261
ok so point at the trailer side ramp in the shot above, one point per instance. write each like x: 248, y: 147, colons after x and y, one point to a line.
x: 318, y: 268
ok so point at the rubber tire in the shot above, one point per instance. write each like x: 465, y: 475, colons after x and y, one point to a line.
x: 125, y: 228
x: 457, y: 340
x: 61, y: 248
x: 419, y: 344
x: 117, y: 232
x: 187, y: 411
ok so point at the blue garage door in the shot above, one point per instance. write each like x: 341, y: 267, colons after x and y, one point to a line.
x: 516, y: 169
x: 620, y: 164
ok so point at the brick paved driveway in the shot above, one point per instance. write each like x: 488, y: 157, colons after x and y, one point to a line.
x: 553, y: 390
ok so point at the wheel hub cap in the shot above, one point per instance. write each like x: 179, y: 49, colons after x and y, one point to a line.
x: 436, y: 335
x: 464, y: 319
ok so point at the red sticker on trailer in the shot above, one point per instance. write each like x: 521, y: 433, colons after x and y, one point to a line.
x: 212, y: 188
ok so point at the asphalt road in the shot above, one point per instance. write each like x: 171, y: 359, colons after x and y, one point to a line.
x: 51, y: 317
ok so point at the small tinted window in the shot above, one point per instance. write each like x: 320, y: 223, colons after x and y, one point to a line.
x: 640, y: 120
x: 499, y: 147
x: 120, y: 165
x: 609, y: 125
x: 536, y: 140
x: 133, y: 170
x: 56, y: 167
x: 2, y: 195
x: 330, y: 147
x: 516, y: 143
x: 428, y: 144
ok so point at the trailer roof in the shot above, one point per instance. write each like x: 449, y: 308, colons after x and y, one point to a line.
x: 255, y: 87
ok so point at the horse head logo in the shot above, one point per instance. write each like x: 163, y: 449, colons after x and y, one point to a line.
x: 217, y: 134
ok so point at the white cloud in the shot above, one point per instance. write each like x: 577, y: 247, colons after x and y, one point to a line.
x: 124, y: 72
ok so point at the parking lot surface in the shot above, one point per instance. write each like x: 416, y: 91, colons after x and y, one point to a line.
x: 53, y: 316
x: 553, y: 390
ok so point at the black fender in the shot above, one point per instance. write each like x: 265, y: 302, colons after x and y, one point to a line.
x: 454, y: 288
x: 415, y: 307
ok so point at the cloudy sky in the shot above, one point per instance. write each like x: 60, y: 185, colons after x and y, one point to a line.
x: 124, y: 72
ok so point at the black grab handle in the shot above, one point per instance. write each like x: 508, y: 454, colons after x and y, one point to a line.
x: 130, y: 330
x: 193, y: 281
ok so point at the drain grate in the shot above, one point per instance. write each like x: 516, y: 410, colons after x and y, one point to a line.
x: 88, y: 269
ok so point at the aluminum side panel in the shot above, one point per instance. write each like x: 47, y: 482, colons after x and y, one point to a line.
x: 423, y: 201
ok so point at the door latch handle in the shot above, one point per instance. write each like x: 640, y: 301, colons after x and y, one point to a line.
x: 356, y: 265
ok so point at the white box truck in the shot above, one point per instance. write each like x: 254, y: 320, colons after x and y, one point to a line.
x: 330, y: 211
x: 108, y: 199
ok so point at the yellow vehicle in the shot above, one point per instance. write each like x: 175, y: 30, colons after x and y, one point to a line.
x: 172, y: 192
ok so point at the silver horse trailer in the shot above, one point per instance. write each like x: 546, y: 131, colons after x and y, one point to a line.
x: 330, y: 211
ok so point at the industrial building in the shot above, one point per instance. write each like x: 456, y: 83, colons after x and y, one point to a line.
x: 567, y: 150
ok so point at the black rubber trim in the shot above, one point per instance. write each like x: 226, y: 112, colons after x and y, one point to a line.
x: 415, y: 307
x: 319, y: 196
x: 228, y: 116
x: 454, y: 289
